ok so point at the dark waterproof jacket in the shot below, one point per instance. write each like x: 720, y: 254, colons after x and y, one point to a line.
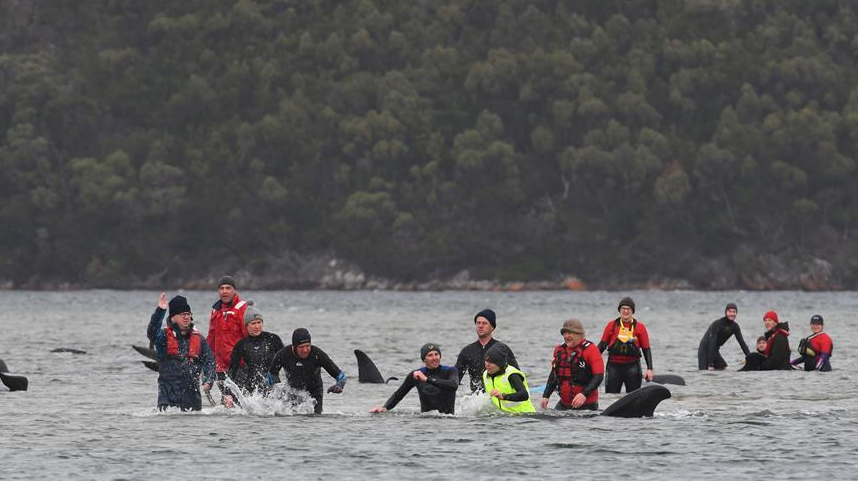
x: 438, y: 393
x: 256, y: 352
x: 472, y: 359
x: 777, y: 350
x: 178, y: 376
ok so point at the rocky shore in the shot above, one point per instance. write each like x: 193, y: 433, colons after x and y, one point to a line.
x: 293, y: 272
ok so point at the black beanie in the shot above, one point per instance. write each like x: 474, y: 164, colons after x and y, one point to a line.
x: 731, y: 305
x: 178, y: 305
x: 627, y: 301
x: 300, y: 336
x: 497, y: 355
x: 429, y: 346
x: 228, y: 280
x: 489, y: 315
x: 817, y: 319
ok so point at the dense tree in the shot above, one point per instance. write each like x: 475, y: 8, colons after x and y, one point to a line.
x: 516, y: 139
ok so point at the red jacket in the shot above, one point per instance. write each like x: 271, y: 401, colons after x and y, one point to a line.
x: 574, y: 367
x: 226, y: 327
x: 640, y: 341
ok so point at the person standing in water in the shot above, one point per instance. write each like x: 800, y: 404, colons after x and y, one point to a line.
x: 815, y: 349
x: 471, y: 358
x: 505, y: 384
x: 303, y: 364
x: 226, y: 327
x: 256, y: 351
x: 183, y: 356
x: 576, y: 372
x: 625, y: 338
x: 708, y: 353
x: 436, y: 384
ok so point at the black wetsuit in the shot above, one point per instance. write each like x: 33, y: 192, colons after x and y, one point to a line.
x: 305, y: 374
x: 438, y: 393
x: 718, y: 333
x: 472, y: 359
x: 257, y: 352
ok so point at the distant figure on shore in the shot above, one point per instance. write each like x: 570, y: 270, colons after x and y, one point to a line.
x: 183, y: 356
x: 436, y: 384
x: 471, y: 357
x: 708, y: 353
x: 625, y: 338
x: 815, y: 349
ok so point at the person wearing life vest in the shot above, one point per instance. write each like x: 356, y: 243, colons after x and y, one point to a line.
x: 708, y: 352
x: 577, y: 370
x: 226, y: 327
x: 252, y: 356
x: 505, y: 384
x: 815, y: 349
x: 777, y: 345
x: 625, y: 338
x: 183, y: 354
x: 436, y: 384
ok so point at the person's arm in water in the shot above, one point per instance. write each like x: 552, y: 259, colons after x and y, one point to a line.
x: 462, y: 363
x: 208, y: 360
x: 737, y: 331
x: 273, y: 376
x: 235, y: 358
x: 606, y: 337
x: 520, y: 394
x: 334, y: 371
x: 399, y: 394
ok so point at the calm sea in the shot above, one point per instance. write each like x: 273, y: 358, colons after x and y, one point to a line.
x: 92, y: 416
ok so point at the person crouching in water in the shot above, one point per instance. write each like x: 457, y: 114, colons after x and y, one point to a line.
x: 303, y: 363
x: 256, y: 351
x: 436, y: 384
x: 625, y: 338
x: 776, y: 353
x: 505, y: 384
x: 577, y: 370
x: 815, y: 349
x: 183, y: 356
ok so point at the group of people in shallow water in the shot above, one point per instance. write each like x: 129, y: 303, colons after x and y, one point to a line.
x: 237, y: 347
x: 773, y: 351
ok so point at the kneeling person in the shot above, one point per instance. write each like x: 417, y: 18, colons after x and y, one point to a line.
x: 506, y: 385
x: 436, y: 384
x: 576, y: 372
x: 303, y: 364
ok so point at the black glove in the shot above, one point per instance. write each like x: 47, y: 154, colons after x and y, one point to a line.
x: 335, y: 388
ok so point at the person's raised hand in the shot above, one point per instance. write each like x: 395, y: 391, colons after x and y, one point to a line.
x: 162, y: 300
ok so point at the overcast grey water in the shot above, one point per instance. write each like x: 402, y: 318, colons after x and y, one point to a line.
x: 92, y: 416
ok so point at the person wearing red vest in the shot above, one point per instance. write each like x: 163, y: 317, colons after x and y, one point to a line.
x: 183, y: 356
x: 777, y: 343
x: 815, y: 349
x: 625, y: 338
x: 226, y: 327
x: 576, y: 372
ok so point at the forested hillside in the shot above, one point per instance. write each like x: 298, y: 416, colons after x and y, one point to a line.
x: 713, y: 141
